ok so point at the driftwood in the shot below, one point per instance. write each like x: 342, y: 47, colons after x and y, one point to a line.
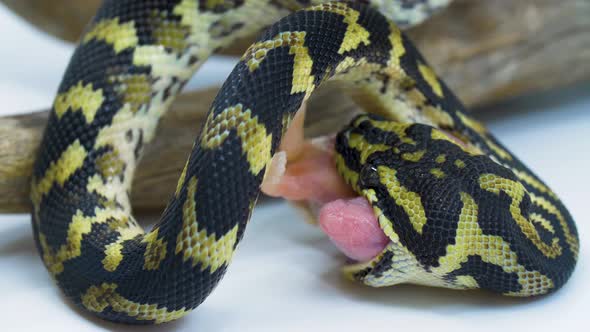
x: 489, y: 50
x: 64, y: 19
x: 486, y: 50
x: 163, y: 159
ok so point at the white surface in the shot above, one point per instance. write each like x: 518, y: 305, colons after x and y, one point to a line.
x: 285, y: 276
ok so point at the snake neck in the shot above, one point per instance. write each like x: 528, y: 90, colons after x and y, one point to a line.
x: 125, y: 73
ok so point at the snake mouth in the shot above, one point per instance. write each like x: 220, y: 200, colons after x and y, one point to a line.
x: 304, y: 173
x: 309, y: 179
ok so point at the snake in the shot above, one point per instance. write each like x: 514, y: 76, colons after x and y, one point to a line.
x: 459, y: 209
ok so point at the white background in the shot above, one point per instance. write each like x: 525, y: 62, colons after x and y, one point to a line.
x: 285, y: 275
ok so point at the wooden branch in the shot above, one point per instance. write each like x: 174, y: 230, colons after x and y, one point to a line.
x: 64, y: 19
x: 163, y: 159
x: 489, y: 50
x: 486, y: 50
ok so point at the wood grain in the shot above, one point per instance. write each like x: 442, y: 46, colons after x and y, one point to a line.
x: 163, y: 159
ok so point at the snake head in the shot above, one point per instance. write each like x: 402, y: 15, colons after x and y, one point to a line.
x: 455, y: 218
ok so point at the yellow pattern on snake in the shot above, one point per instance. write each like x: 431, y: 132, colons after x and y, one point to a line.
x: 461, y: 216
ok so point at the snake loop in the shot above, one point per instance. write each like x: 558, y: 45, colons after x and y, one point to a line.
x: 462, y: 214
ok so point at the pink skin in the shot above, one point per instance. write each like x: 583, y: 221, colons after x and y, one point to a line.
x: 305, y: 171
x: 352, y: 226
x: 312, y: 177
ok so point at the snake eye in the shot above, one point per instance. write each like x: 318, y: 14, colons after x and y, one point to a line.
x: 368, y: 177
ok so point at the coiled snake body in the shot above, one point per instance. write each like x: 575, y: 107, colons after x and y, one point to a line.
x: 460, y: 210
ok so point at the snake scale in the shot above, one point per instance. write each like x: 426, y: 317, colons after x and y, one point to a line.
x: 460, y: 210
